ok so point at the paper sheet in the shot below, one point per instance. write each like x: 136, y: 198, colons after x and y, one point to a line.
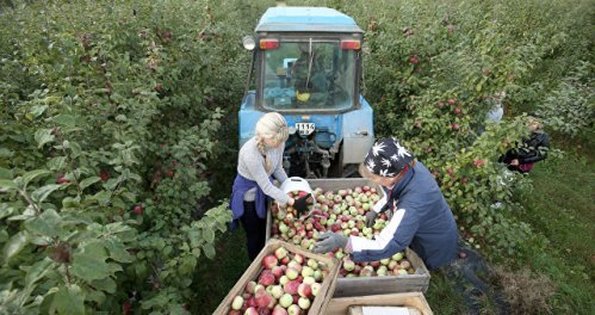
x: 384, y: 310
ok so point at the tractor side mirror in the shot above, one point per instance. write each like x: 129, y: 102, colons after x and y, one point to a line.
x: 248, y: 42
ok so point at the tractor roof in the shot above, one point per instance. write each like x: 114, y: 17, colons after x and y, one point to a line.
x: 306, y: 19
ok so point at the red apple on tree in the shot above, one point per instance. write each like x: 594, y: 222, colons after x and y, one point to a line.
x: 138, y: 209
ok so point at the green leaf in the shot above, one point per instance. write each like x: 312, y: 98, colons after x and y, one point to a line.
x: 16, y: 243
x: 89, y: 181
x: 69, y: 301
x: 5, y: 210
x: 43, y: 136
x: 7, y: 185
x: 70, y: 202
x: 6, y: 153
x: 38, y: 271
x: 38, y: 110
x: 5, y: 173
x: 41, y: 193
x: 118, y: 252
x: 47, y: 224
x: 76, y: 149
x: 112, y: 183
x: 209, y: 235
x: 96, y: 296
x: 57, y: 163
x: 31, y: 175
x: 209, y: 250
x: 103, y: 197
x: 65, y: 120
x: 89, y: 263
x: 108, y: 285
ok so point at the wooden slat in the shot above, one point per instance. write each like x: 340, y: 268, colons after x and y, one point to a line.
x: 321, y: 301
x: 416, y: 300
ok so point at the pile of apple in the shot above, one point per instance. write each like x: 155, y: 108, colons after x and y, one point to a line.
x: 341, y: 211
x: 287, y: 284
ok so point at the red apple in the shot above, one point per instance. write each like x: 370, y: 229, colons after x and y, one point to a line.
x: 250, y: 287
x: 263, y: 299
x: 279, y: 310
x: 291, y: 287
x: 62, y: 180
x: 104, y: 175
x: 138, y: 209
x: 304, y: 290
x: 269, y: 261
x: 280, y: 252
x: 251, y: 311
x: 278, y: 271
x: 295, y: 266
x: 266, y: 278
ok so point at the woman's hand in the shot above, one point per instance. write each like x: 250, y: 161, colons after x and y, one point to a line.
x: 291, y: 201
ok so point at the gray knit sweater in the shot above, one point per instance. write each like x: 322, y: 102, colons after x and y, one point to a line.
x: 251, y: 166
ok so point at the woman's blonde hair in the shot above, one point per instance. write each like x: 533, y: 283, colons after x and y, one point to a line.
x: 271, y: 126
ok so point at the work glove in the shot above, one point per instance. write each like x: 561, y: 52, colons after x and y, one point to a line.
x: 370, y: 218
x: 371, y: 215
x: 301, y: 205
x: 328, y: 242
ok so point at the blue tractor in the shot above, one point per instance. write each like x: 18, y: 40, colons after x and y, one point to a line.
x: 307, y: 65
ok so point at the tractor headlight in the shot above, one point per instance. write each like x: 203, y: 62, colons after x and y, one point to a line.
x: 248, y: 42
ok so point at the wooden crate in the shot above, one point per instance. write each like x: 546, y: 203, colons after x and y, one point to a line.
x: 417, y: 282
x: 321, y: 301
x: 414, y: 301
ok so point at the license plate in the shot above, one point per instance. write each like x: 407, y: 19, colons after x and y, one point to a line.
x: 305, y: 129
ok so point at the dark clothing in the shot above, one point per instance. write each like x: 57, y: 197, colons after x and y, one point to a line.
x: 422, y: 220
x: 255, y: 228
x: 531, y: 151
x: 240, y: 186
x: 471, y: 277
x: 252, y: 214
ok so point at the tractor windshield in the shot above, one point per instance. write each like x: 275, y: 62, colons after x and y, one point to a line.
x: 311, y: 75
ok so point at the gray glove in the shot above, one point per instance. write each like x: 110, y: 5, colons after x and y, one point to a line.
x: 328, y: 242
x: 370, y: 217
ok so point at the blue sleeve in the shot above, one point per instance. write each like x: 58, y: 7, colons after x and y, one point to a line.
x: 395, y: 237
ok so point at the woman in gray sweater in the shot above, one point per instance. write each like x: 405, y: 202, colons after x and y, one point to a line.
x: 260, y: 159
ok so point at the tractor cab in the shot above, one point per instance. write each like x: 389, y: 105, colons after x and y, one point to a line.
x: 307, y: 66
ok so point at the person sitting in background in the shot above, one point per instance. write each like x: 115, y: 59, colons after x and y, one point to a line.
x: 310, y: 82
x: 531, y: 151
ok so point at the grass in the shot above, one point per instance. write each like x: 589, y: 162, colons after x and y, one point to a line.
x: 560, y: 259
x: 214, y: 278
x: 561, y: 209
